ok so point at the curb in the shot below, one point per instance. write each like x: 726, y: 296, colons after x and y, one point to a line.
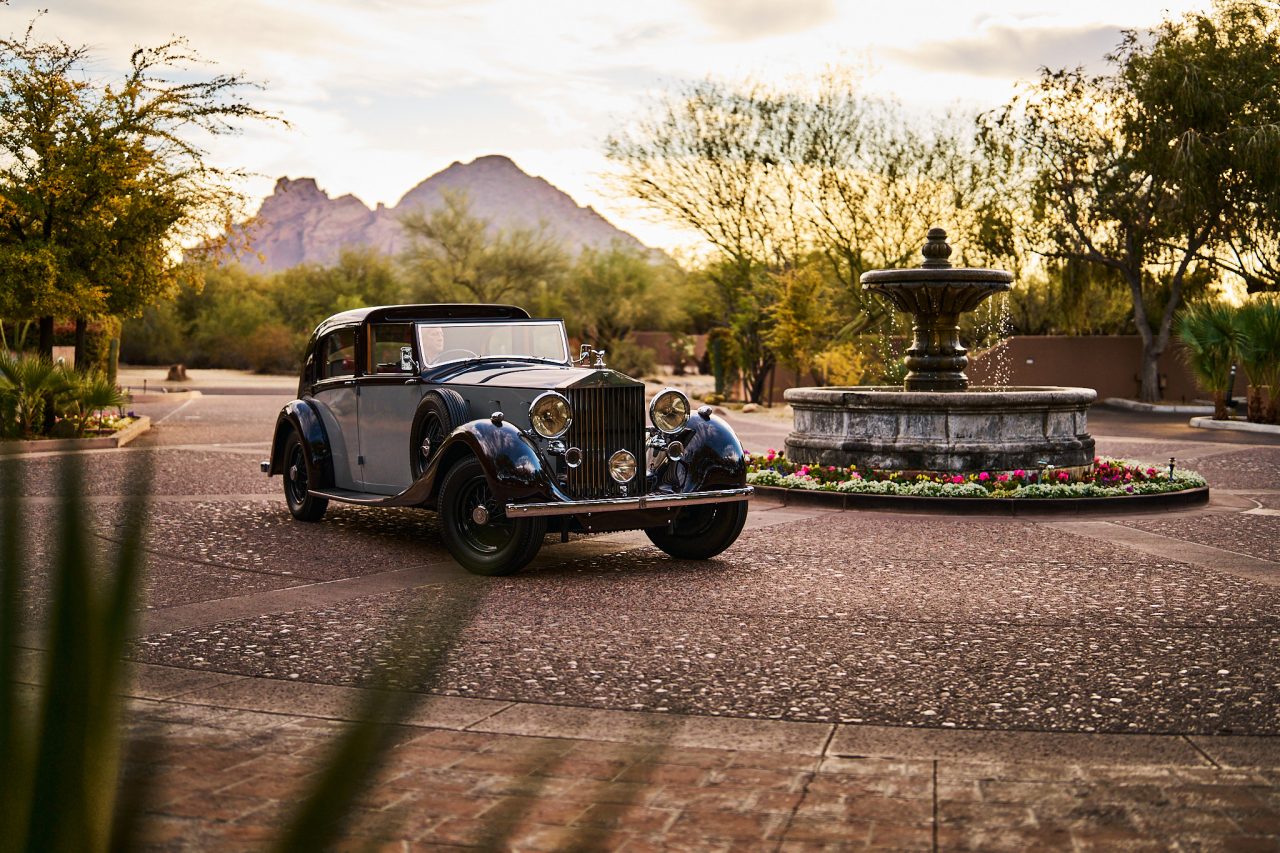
x: 162, y: 396
x: 987, y: 506
x: 1154, y: 408
x: 102, y: 442
x: 207, y: 688
x: 1235, y: 426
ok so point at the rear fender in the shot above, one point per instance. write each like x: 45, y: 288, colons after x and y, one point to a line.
x: 300, y: 416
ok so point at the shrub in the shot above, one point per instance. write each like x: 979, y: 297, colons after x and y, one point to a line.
x: 1212, y: 338
x: 1259, y: 325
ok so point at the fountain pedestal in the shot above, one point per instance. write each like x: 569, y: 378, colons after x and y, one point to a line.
x: 935, y: 422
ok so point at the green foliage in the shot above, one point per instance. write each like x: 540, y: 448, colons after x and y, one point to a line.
x: 458, y: 257
x: 60, y: 748
x: 29, y: 383
x: 1212, y: 339
x: 1258, y: 321
x: 90, y: 393
x: 100, y: 179
x: 609, y: 293
x: 228, y: 317
x: 1150, y: 169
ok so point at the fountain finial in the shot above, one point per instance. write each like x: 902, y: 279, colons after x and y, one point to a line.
x: 936, y: 250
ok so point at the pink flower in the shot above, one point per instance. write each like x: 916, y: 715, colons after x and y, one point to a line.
x: 856, y: 476
x: 1151, y: 472
x: 1003, y: 478
x: 957, y: 479
x: 772, y: 453
x: 1019, y: 473
x: 1063, y: 475
x: 984, y: 476
x: 804, y: 470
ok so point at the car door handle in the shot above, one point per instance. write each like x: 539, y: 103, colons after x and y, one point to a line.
x: 414, y: 381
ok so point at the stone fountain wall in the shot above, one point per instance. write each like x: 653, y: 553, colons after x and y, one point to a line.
x: 976, y: 430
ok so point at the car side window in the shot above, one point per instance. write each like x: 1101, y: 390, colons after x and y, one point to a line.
x: 338, y: 354
x: 388, y: 340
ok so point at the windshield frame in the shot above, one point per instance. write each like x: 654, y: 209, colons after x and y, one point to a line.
x: 420, y: 325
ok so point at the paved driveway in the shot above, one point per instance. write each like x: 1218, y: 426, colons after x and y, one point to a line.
x: 956, y: 663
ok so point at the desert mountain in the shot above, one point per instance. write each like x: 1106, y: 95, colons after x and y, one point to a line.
x: 299, y: 223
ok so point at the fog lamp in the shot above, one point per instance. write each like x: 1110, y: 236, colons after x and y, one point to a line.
x: 622, y: 466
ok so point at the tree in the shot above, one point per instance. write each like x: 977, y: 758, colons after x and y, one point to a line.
x: 101, y: 180
x: 611, y: 292
x: 455, y: 255
x: 1146, y: 169
x: 717, y: 160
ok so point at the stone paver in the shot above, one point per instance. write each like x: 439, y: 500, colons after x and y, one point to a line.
x: 835, y: 681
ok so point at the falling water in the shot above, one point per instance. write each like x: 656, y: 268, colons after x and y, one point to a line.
x: 990, y: 332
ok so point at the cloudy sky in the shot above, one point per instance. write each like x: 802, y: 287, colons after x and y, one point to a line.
x: 383, y: 93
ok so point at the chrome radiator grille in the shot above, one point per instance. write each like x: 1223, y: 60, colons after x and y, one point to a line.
x: 605, y: 420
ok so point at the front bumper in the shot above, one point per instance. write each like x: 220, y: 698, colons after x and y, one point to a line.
x: 661, y: 501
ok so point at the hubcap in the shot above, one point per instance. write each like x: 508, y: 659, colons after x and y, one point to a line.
x: 480, y: 515
x: 479, y: 519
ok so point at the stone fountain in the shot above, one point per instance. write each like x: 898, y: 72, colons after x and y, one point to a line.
x: 936, y: 422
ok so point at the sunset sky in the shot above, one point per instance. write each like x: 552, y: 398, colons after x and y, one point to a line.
x: 383, y: 93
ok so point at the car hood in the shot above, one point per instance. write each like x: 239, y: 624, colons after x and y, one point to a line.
x: 510, y: 375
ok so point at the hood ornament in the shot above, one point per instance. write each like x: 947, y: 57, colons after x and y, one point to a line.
x: 585, y: 353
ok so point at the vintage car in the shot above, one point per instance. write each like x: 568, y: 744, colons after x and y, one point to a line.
x: 482, y: 414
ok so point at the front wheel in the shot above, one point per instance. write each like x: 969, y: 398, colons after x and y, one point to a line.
x: 475, y: 528
x: 302, y: 504
x: 701, y: 532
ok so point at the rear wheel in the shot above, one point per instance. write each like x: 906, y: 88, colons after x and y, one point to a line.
x: 302, y: 504
x: 475, y: 527
x: 700, y: 532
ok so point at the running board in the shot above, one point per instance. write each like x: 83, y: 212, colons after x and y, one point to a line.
x: 350, y: 497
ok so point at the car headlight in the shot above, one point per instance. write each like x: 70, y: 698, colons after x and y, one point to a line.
x: 551, y: 415
x: 669, y: 411
x: 622, y: 466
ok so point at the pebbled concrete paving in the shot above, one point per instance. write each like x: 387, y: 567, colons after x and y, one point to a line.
x: 836, y: 680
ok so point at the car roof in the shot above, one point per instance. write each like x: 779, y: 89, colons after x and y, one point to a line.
x: 438, y: 311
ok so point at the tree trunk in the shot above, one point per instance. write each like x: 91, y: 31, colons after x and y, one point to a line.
x: 1220, y: 406
x: 1149, y: 390
x: 46, y: 337
x: 1255, y: 407
x: 113, y: 359
x: 80, y: 358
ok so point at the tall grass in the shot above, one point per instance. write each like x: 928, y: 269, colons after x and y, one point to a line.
x: 61, y: 742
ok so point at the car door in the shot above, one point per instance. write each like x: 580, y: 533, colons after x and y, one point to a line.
x: 335, y: 392
x: 389, y: 394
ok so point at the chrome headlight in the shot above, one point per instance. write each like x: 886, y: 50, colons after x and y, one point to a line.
x: 669, y: 411
x: 622, y: 466
x: 551, y: 415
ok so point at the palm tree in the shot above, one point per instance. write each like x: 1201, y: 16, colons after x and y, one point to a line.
x: 1212, y: 339
x: 92, y: 393
x: 1259, y: 320
x: 29, y: 383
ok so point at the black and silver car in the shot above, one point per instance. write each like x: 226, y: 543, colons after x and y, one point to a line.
x: 484, y: 415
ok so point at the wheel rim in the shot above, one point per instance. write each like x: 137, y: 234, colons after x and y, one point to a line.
x: 296, y: 476
x: 488, y: 538
x: 429, y: 443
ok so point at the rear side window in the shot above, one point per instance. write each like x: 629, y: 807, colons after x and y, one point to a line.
x: 338, y: 354
x: 388, y: 340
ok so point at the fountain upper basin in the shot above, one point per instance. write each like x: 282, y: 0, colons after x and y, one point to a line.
x: 1001, y: 428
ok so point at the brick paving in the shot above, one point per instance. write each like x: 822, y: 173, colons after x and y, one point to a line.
x: 795, y: 678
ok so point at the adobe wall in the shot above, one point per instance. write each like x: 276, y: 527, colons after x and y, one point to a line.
x: 1109, y: 364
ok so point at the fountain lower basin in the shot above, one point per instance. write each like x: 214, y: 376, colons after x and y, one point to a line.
x: 980, y: 429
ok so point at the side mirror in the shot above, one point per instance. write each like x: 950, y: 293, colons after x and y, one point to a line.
x: 584, y: 353
x: 406, y: 360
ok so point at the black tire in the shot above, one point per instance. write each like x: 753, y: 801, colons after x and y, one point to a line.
x: 498, y: 546
x: 701, y: 532
x: 297, y: 479
x: 437, y: 415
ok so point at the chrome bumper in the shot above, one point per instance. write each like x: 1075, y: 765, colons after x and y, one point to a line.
x: 672, y: 501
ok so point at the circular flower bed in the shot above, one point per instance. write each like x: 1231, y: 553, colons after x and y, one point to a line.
x: 1106, y: 478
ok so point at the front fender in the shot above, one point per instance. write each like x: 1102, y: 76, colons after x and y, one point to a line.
x: 514, y: 466
x: 301, y: 416
x: 713, y: 456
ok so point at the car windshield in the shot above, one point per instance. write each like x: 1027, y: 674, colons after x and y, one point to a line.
x: 441, y: 343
